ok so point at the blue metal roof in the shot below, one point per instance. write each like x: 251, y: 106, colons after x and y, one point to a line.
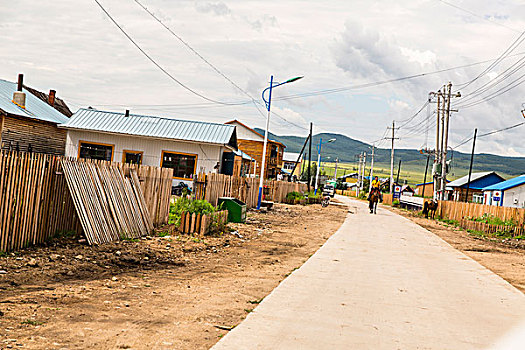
x: 505, y: 185
x: 150, y: 126
x: 35, y: 107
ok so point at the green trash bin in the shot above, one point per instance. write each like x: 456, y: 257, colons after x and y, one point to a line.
x: 236, y: 208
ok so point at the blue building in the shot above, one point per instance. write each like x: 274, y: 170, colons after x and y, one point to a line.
x: 510, y: 193
x: 478, y: 181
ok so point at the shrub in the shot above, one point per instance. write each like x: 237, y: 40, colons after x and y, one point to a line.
x: 185, y: 204
x: 294, y: 195
x: 395, y: 203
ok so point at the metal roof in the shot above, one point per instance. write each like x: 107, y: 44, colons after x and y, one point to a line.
x: 150, y: 126
x: 474, y: 176
x: 505, y: 185
x: 35, y: 107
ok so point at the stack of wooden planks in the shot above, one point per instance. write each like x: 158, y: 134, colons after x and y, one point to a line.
x: 109, y: 206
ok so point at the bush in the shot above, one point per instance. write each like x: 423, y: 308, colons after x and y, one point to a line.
x: 493, y: 220
x: 185, y: 204
x: 294, y: 195
x: 395, y: 203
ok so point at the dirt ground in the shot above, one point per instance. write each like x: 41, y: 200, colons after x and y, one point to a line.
x: 171, y: 292
x: 506, y: 258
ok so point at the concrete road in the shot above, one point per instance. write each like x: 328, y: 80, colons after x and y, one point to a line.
x: 383, y: 282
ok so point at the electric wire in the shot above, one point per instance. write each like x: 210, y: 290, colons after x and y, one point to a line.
x: 479, y: 16
x: 489, y: 133
x: 217, y: 70
x: 161, y: 68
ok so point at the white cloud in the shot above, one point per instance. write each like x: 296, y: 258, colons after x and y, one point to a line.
x: 73, y: 48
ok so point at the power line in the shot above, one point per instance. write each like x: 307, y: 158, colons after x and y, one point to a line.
x: 504, y: 55
x: 162, y: 69
x: 479, y: 16
x: 490, y: 133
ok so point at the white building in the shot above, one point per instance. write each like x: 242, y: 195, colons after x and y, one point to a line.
x: 189, y: 147
x: 510, y: 193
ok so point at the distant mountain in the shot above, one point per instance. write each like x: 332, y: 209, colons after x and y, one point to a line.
x: 345, y: 148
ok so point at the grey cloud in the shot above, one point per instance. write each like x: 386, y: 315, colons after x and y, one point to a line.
x: 218, y: 8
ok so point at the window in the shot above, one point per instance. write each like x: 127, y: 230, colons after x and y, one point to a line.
x: 183, y: 165
x: 132, y: 157
x: 288, y: 165
x: 100, y: 151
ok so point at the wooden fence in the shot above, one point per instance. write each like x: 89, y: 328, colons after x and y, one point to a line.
x: 459, y: 210
x: 213, y: 186
x: 488, y: 228
x: 200, y: 224
x: 35, y: 203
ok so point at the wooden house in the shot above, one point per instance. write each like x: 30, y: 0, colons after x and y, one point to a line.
x: 29, y: 119
x: 252, y: 143
x: 188, y: 147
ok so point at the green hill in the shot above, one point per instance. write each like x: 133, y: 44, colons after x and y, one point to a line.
x: 346, y: 148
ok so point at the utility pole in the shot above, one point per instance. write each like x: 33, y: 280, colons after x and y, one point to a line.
x: 471, y: 162
x: 435, y: 168
x: 360, y: 157
x: 425, y: 178
x: 310, y: 158
x: 335, y: 172
x: 371, y: 170
x: 446, y: 119
x: 392, y: 158
x: 398, y: 170
x: 363, y: 172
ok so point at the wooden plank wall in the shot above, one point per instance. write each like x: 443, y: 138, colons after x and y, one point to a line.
x: 458, y: 210
x: 212, y: 186
x: 35, y: 202
x: 41, y: 136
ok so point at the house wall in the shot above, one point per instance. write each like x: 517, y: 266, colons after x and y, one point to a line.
x: 246, y: 134
x: 207, y: 155
x: 515, y: 193
x: 44, y: 137
x: 429, y: 190
x: 255, y: 149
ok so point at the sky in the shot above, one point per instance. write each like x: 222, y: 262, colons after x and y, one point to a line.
x: 74, y: 48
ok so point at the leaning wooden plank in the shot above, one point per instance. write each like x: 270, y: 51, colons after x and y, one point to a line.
x: 142, y: 202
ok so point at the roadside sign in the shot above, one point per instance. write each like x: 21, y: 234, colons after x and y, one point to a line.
x: 397, y: 192
x: 497, y: 196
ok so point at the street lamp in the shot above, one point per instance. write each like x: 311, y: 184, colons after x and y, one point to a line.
x: 268, y: 104
x: 319, y: 161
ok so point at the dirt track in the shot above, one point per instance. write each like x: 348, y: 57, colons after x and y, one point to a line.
x: 505, y: 259
x: 162, y: 293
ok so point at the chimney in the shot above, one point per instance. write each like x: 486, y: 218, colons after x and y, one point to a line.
x: 127, y: 113
x: 19, y: 98
x: 20, y: 82
x: 51, y: 98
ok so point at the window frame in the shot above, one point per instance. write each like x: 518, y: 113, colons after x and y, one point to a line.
x: 181, y: 153
x: 126, y: 151
x: 80, y: 142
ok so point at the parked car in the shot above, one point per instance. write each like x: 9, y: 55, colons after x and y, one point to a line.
x: 329, y: 190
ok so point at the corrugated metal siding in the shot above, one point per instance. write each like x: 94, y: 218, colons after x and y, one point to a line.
x: 141, y: 125
x: 35, y: 108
